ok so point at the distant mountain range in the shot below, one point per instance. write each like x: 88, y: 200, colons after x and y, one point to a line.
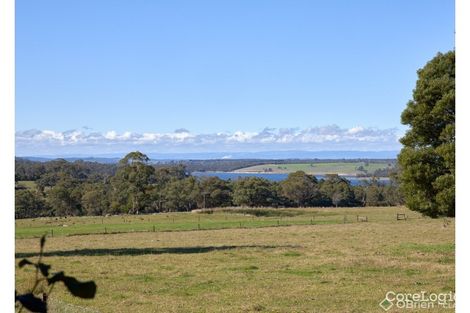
x: 338, y: 155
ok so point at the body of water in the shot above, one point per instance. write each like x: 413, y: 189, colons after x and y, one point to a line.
x: 278, y: 176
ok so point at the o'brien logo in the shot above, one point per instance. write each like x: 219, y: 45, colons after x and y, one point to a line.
x: 420, y: 300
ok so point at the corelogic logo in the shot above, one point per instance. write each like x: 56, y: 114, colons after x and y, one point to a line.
x: 385, y: 304
x: 420, y: 300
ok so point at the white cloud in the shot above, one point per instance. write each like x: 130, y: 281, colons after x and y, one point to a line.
x: 355, y: 130
x: 110, y: 135
x: 240, y: 136
x: 331, y: 137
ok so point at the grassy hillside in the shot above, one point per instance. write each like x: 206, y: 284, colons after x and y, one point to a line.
x: 346, y: 168
x: 220, y: 219
x: 333, y: 267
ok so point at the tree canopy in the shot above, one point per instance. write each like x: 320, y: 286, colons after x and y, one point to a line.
x: 301, y: 188
x: 427, y: 159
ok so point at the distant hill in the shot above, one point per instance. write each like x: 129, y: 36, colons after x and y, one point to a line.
x: 73, y: 159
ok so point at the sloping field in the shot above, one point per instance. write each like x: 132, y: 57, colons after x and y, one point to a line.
x: 223, y: 218
x: 336, y: 267
x: 344, y: 168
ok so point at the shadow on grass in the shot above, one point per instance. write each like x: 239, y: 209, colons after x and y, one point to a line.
x: 143, y: 251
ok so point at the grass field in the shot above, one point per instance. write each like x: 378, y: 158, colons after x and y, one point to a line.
x: 330, y: 266
x: 221, y: 219
x: 345, y: 168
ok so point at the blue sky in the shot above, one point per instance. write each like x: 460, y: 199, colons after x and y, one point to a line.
x: 133, y: 72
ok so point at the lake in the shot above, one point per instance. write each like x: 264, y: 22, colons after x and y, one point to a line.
x: 278, y: 176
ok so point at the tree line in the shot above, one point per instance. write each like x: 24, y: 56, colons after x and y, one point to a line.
x: 136, y: 186
x: 30, y: 170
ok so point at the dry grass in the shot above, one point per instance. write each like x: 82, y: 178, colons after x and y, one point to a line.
x: 319, y: 268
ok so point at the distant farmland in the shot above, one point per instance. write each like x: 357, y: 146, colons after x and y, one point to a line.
x: 346, y: 168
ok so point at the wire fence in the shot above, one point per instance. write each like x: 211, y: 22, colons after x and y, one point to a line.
x: 204, y: 222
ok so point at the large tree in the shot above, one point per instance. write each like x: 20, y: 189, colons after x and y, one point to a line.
x: 215, y: 192
x: 64, y: 197
x: 338, y: 190
x: 427, y: 159
x: 302, y: 189
x: 181, y: 194
x: 132, y: 183
x: 254, y: 192
x: 95, y: 200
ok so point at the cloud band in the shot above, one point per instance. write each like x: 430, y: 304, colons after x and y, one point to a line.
x: 332, y: 137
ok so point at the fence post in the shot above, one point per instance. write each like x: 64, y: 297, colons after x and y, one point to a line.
x: 153, y: 228
x: 52, y: 233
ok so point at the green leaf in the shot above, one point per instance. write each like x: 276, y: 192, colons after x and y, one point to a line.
x: 32, y: 303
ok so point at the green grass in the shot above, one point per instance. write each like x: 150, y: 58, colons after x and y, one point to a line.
x: 330, y: 267
x: 346, y: 168
x: 410, y: 247
x: 258, y: 212
x: 224, y: 218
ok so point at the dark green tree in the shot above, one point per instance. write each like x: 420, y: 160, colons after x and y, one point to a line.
x: 29, y: 203
x: 301, y: 189
x: 95, y: 199
x: 132, y: 183
x: 254, y: 192
x: 427, y: 159
x: 215, y: 192
x: 375, y: 195
x: 360, y: 195
x: 338, y: 190
x: 64, y: 197
x: 181, y: 194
